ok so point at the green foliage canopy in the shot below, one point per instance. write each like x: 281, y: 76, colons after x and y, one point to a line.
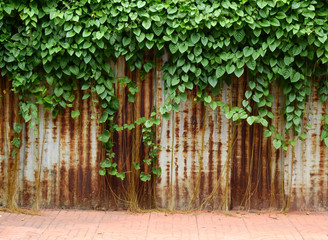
x: 47, y: 47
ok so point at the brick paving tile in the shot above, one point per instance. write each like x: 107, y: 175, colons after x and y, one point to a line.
x: 312, y: 227
x: 97, y: 225
x: 220, y: 226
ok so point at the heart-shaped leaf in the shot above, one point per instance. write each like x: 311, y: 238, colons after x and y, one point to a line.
x: 100, y: 89
x: 183, y: 47
x: 104, y: 137
x: 146, y: 24
x: 212, y: 81
x: 230, y: 68
x: 144, y: 177
x: 277, y: 143
x: 58, y: 92
x: 77, y: 28
x: 173, y: 48
x: 248, y: 51
x: 195, y: 37
x: 141, y: 37
x: 248, y: 94
x: 75, y: 113
x: 18, y: 127
x: 220, y: 71
x: 141, y: 4
x: 239, y: 71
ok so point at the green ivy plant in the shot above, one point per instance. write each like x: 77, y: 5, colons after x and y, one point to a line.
x: 49, y: 49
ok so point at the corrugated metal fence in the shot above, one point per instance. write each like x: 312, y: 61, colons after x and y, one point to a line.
x: 58, y: 167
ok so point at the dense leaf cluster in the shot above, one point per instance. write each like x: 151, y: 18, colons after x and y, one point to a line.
x: 50, y: 48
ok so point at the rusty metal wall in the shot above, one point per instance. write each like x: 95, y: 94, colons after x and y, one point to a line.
x: 59, y: 162
x: 206, y: 161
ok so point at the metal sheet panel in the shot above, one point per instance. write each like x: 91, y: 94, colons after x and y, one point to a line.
x: 59, y: 165
x: 306, y: 175
x: 191, y: 139
x: 8, y: 114
x: 256, y: 171
x: 60, y: 162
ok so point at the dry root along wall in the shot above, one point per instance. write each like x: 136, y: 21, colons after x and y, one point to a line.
x: 206, y: 161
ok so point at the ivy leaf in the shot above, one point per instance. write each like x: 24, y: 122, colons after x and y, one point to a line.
x: 197, y: 51
x: 261, y: 3
x: 326, y: 141
x: 137, y: 31
x: 288, y: 60
x: 195, y: 37
x: 279, y: 33
x: 86, y: 96
x: 248, y: 94
x: 137, y: 166
x: 150, y: 36
x: 77, y: 28
x: 18, y: 127
x: 183, y: 47
x: 171, y: 10
x: 267, y: 133
x: 47, y: 67
x: 100, y: 89
x: 277, y: 143
x: 248, y: 51
x: 146, y: 24
x: 173, y: 48
x: 141, y: 37
x: 208, y: 99
x: 74, y: 69
x: 157, y: 171
x: 87, y: 58
x: 104, y: 137
x: 141, y: 4
x: 120, y: 175
x: 112, y: 171
x: 213, y: 105
x: 220, y: 71
x: 239, y: 71
x: 251, y: 64
x: 144, y: 177
x: 148, y: 66
x: 58, y: 92
x: 204, y: 40
x: 175, y: 81
x: 126, y: 41
x: 230, y: 68
x: 295, y: 77
x: 239, y: 35
x: 255, y: 98
x: 250, y: 120
x: 212, y: 81
x: 255, y: 55
x: 70, y: 34
x: 186, y: 67
x: 251, y: 85
x: 75, y: 114
x: 14, y: 152
x: 102, y: 172
x: 204, y: 62
x: 157, y: 29
x: 16, y: 142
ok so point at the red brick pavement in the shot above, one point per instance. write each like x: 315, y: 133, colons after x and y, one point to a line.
x: 83, y: 225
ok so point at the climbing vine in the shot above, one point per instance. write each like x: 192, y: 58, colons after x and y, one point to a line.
x: 49, y: 49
